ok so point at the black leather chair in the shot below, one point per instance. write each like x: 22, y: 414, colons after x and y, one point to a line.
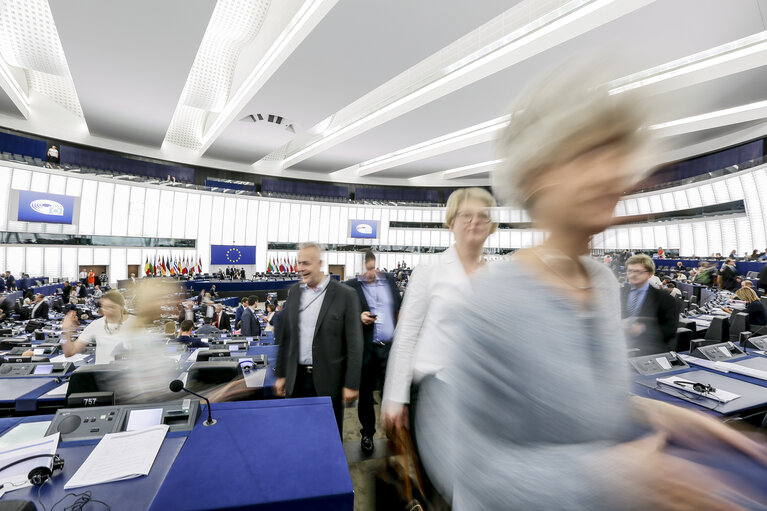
x: 719, y: 330
x: 683, y: 339
x: 738, y: 323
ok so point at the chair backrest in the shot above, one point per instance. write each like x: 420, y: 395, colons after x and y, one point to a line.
x: 719, y: 330
x: 685, y: 295
x: 693, y: 300
x: 688, y: 324
x: 683, y: 339
x: 738, y: 324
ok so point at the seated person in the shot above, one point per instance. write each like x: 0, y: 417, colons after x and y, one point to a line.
x: 757, y: 315
x: 97, y: 292
x: 39, y: 308
x: 650, y: 315
x: 220, y: 319
x: 104, y: 331
x: 673, y: 290
x: 207, y: 327
x: 185, y: 335
x: 187, y: 312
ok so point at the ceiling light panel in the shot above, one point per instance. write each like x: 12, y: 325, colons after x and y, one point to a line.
x: 29, y: 40
x: 233, y: 25
x: 521, y: 32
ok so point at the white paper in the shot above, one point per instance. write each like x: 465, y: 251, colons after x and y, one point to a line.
x: 725, y: 351
x: 193, y: 356
x: 59, y: 391
x: 663, y: 362
x: 687, y: 386
x: 77, y: 357
x: 15, y: 478
x: 143, y: 419
x: 254, y: 379
x: 120, y: 456
x: 38, y: 351
x: 23, y: 433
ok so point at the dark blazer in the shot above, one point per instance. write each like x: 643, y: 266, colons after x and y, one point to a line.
x: 238, y: 316
x: 762, y: 282
x: 729, y: 277
x: 757, y: 315
x: 65, y: 292
x: 41, y: 312
x: 225, y: 324
x: 660, y: 316
x: 192, y: 342
x: 276, y: 322
x: 368, y: 330
x: 83, y: 292
x: 337, y: 345
x: 250, y: 324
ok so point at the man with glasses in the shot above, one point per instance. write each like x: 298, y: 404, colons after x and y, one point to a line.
x: 650, y: 315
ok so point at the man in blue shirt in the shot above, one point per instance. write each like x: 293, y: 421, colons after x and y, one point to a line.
x: 650, y: 315
x: 379, y: 302
x: 185, y: 335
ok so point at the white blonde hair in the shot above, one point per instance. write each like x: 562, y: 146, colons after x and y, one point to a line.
x: 563, y: 116
x: 461, y: 195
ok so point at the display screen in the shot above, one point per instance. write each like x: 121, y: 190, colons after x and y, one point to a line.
x: 44, y: 369
x: 363, y: 228
x: 45, y: 207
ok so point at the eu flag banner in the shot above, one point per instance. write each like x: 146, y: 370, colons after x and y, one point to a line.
x: 233, y: 254
x: 363, y: 229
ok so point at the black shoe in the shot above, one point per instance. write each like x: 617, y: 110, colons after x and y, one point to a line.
x: 367, y: 445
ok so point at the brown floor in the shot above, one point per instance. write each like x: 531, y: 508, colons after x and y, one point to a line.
x: 363, y: 469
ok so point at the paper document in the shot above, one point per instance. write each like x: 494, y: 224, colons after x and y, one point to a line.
x: 120, y: 456
x: 686, y: 385
x: 254, y: 379
x: 15, y: 477
x: 193, y: 356
x: 60, y: 391
x: 77, y: 357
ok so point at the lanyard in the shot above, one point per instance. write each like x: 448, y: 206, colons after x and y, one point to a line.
x: 313, y: 299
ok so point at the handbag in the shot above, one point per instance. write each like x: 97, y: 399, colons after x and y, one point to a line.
x: 395, y: 487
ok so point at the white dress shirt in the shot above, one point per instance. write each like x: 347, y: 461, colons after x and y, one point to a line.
x: 424, y: 325
x: 308, y: 312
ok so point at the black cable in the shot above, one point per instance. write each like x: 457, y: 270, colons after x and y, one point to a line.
x: 39, y: 489
x: 81, y: 499
x: 22, y: 460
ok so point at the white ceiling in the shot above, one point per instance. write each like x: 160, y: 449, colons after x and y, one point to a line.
x: 130, y: 64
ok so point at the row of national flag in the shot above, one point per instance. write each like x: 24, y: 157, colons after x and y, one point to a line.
x: 163, y: 266
x: 281, y: 266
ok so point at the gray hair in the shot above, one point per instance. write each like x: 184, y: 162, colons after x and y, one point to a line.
x: 312, y: 244
x: 558, y: 119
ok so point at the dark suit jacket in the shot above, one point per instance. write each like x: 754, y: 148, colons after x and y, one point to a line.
x: 337, y: 345
x: 277, y: 321
x: 368, y: 330
x: 41, y: 312
x: 728, y: 278
x: 250, y: 324
x: 660, y: 316
x: 65, y: 292
x: 762, y: 282
x: 192, y: 342
x: 83, y: 292
x: 224, y: 324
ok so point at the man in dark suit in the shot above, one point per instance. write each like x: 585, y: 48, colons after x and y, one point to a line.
x: 220, y: 319
x: 650, y: 314
x: 320, y: 341
x: 250, y: 325
x: 10, y: 281
x: 379, y: 301
x: 40, y: 308
x: 66, y: 291
x: 239, y: 311
x: 185, y: 336
x: 729, y: 276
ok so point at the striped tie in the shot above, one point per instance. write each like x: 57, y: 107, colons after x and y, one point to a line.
x: 633, y: 308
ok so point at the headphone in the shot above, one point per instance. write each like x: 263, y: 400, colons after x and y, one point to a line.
x: 247, y: 366
x: 702, y: 388
x: 40, y: 475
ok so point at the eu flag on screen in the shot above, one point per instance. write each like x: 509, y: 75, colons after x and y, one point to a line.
x: 233, y: 254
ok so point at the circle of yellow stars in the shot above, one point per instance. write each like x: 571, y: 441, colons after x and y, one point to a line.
x: 236, y: 251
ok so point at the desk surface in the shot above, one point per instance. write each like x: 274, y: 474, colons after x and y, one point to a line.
x: 283, y: 454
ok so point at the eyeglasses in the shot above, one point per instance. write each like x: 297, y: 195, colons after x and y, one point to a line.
x: 636, y: 272
x: 465, y: 217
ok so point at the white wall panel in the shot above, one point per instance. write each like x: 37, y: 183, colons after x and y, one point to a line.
x: 120, y: 210
x: 51, y: 262
x: 251, y: 225
x: 39, y: 182
x: 151, y: 212
x: 667, y: 199
x: 118, y: 267
x: 226, y: 220
x: 6, y: 174
x: 240, y: 222
x: 136, y: 211
x: 334, y: 235
x: 84, y: 257
x: 101, y: 256
x: 15, y: 260
x: 680, y: 199
x: 193, y: 215
x: 686, y: 240
x: 643, y: 204
x: 203, y: 235
x: 103, y: 221
x: 88, y: 201
x: 700, y: 239
x: 707, y: 194
x: 68, y: 263
x: 179, y: 215
x: 631, y: 207
x: 215, y: 220
x: 693, y: 197
x: 165, y: 214
x: 729, y: 236
x: 21, y: 179
x: 33, y: 263
x: 713, y: 236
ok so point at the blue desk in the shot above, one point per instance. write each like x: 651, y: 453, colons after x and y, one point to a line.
x: 230, y: 286
x: 743, y: 267
x: 48, y: 290
x: 281, y: 454
x: 19, y: 395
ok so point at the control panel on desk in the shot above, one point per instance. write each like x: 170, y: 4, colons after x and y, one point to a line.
x: 88, y: 423
x: 11, y: 370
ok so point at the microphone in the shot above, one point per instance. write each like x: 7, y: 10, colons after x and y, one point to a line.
x: 177, y: 385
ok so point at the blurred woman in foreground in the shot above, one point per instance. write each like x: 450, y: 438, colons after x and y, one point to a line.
x: 535, y: 406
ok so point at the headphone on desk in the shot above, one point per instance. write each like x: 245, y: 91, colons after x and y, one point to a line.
x: 38, y: 476
x: 702, y: 388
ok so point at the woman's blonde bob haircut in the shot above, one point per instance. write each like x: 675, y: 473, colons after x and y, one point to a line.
x: 458, y: 197
x: 747, y: 294
x: 566, y: 115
